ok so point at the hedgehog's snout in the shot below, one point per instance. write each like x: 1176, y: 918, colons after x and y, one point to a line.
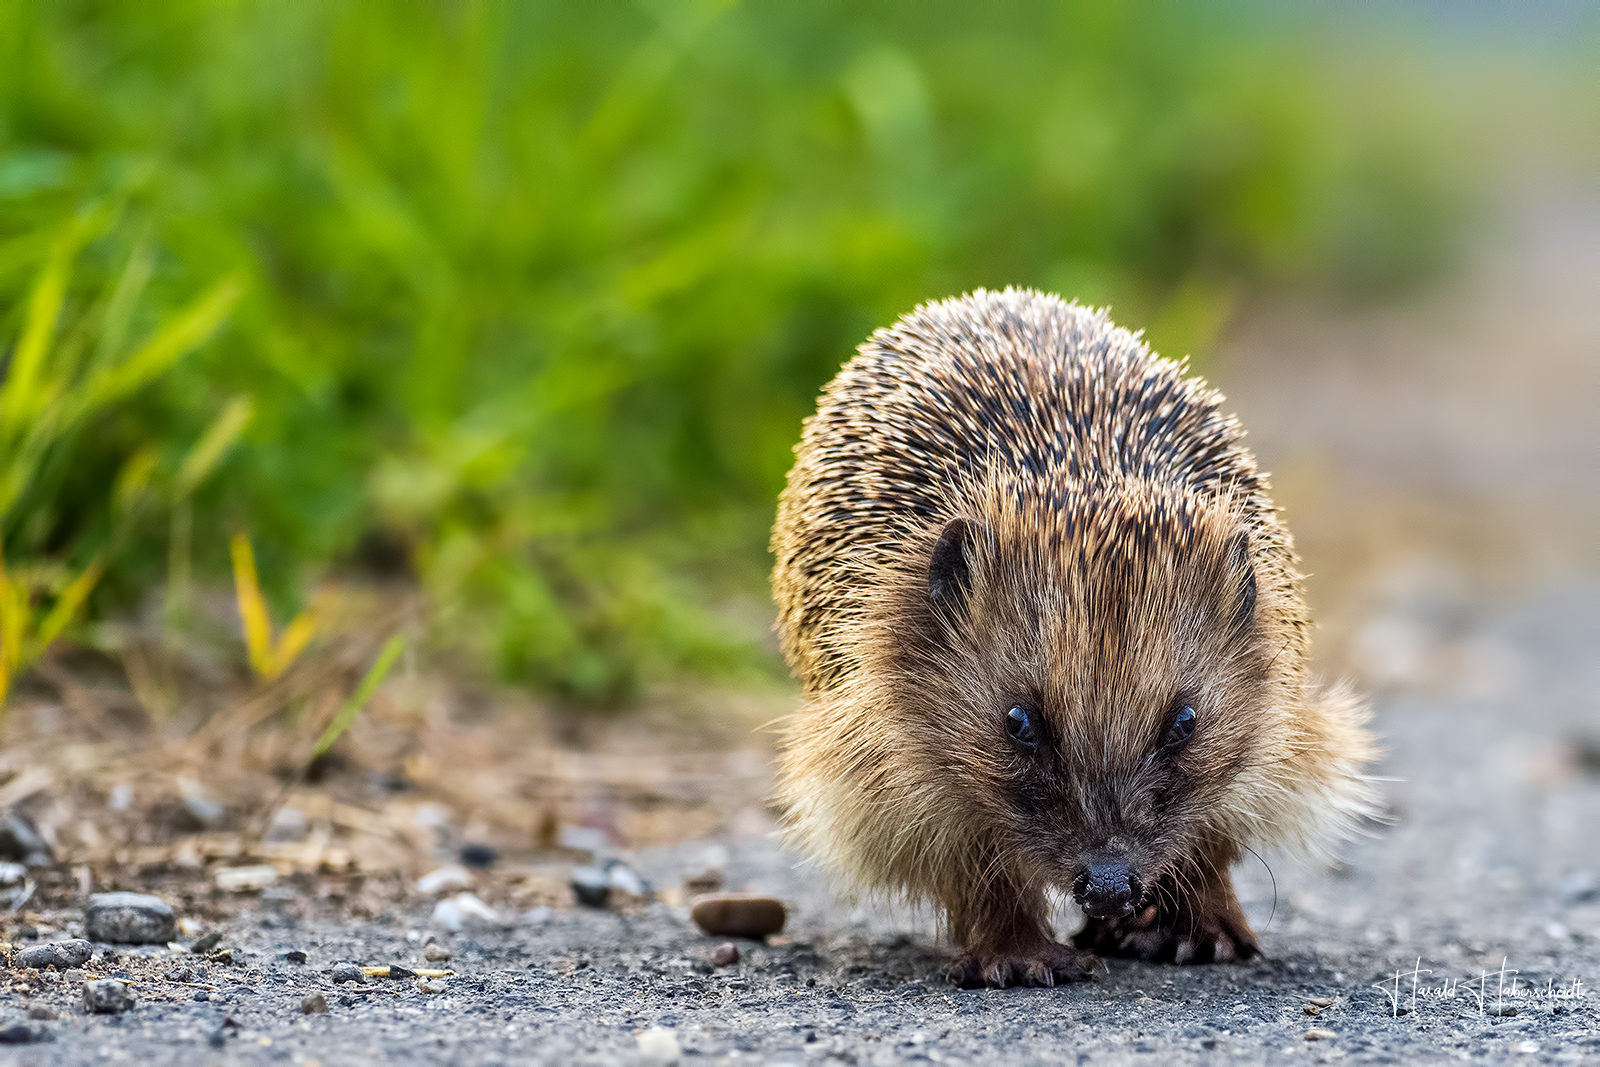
x: 1107, y: 888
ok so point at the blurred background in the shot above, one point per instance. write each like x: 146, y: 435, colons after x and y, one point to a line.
x: 489, y: 327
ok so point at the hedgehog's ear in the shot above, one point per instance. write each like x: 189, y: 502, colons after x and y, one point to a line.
x: 1242, y: 577
x: 950, y: 571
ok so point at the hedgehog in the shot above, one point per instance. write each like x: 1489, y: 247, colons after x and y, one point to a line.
x: 1052, y: 641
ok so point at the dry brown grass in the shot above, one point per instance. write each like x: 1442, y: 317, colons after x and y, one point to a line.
x: 145, y: 765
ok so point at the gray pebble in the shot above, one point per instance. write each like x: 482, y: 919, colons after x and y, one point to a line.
x: 591, y: 886
x: 130, y: 919
x: 61, y: 954
x: 18, y: 1035
x: 346, y: 972
x: 206, y: 812
x: 201, y: 995
x: 478, y: 855
x: 1580, y: 887
x: 40, y: 1012
x: 314, y: 1004
x: 20, y: 840
x: 107, y: 997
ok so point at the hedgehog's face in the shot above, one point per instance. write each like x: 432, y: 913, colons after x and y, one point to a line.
x: 1102, y: 685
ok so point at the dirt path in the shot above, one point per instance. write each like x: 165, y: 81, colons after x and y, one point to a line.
x: 1440, y: 466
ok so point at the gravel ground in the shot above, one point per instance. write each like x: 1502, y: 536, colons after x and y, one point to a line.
x: 1486, y: 876
x: 1491, y: 857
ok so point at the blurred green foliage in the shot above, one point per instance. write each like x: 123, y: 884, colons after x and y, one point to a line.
x: 537, y: 294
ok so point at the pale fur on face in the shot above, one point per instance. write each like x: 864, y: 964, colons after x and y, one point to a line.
x: 1101, y: 609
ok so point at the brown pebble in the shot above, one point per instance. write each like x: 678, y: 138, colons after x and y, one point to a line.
x: 738, y: 914
x: 1319, y: 1035
x: 707, y: 881
x: 1312, y: 1010
x: 314, y: 1004
x: 1322, y: 1002
x: 725, y: 955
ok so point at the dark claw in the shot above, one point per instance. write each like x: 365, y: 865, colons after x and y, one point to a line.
x: 1044, y: 967
x: 1180, y: 938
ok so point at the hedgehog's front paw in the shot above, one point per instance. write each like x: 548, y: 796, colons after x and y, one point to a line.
x: 1215, y: 934
x: 1046, y: 964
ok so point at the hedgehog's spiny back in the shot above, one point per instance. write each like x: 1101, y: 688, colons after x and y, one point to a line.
x: 986, y: 387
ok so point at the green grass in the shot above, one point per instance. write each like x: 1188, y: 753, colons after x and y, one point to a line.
x: 535, y: 295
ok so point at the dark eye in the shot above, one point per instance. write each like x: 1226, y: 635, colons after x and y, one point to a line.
x: 1180, y: 731
x: 1019, y: 727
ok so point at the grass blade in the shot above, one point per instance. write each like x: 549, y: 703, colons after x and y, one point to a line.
x: 132, y: 480
x: 66, y: 606
x: 351, y: 708
x: 213, y: 444
x: 252, y: 608
x: 10, y: 631
x: 172, y: 342
x: 124, y: 300
x: 18, y: 398
x: 295, y: 637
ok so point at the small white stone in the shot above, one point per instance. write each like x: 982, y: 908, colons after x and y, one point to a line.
x: 450, y: 877
x: 244, y: 879
x: 463, y: 910
x: 626, y: 879
x: 659, y: 1045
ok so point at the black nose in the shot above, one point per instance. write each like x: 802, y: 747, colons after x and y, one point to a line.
x: 1107, y: 889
